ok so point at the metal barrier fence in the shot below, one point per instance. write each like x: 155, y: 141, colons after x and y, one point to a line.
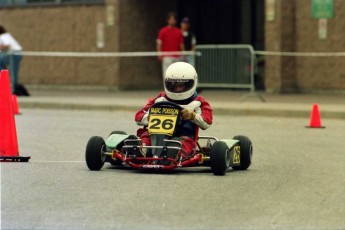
x: 226, y: 66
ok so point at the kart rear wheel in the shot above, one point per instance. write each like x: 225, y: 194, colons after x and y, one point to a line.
x: 219, y: 158
x: 94, y: 154
x: 111, y: 160
x: 246, y: 152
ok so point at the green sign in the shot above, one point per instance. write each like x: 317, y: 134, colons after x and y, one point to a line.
x: 322, y: 8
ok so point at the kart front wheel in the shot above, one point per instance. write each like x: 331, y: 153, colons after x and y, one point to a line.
x: 219, y: 158
x: 246, y: 153
x: 94, y: 154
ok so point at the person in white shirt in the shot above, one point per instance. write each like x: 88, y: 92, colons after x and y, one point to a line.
x: 10, y: 55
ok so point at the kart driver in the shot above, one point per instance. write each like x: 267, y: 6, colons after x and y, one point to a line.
x: 180, y: 83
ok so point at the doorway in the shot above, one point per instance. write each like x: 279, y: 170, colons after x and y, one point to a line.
x: 227, y: 22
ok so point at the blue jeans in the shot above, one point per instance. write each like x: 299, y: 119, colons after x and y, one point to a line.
x: 189, y: 59
x: 11, y: 61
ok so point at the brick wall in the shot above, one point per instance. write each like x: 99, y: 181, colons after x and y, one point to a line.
x: 140, y: 22
x: 73, y: 28
x: 295, y: 30
x: 68, y: 28
x: 280, y: 72
x: 320, y: 72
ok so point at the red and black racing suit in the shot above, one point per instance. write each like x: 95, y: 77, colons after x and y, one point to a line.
x: 188, y: 131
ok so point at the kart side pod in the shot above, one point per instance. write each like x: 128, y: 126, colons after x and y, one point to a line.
x: 115, y: 139
x: 234, y: 151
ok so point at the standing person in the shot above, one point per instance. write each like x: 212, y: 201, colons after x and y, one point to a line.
x: 169, y: 39
x: 189, y: 39
x: 10, y: 55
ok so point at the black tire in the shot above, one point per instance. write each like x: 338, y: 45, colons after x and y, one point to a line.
x: 246, y: 152
x: 94, y: 155
x: 111, y: 160
x: 219, y: 158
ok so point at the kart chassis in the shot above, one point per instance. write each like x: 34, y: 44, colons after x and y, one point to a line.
x: 129, y: 158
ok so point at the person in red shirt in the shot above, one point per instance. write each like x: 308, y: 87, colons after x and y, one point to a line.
x: 180, y: 83
x: 170, y: 39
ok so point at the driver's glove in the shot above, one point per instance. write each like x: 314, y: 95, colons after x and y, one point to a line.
x: 187, y: 114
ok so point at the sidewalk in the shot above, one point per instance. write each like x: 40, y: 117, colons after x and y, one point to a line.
x: 222, y: 101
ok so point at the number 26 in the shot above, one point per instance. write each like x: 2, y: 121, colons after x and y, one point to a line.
x: 166, y: 124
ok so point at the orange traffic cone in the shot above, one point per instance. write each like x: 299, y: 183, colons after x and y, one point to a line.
x: 315, y: 120
x: 8, y: 134
x: 15, y: 105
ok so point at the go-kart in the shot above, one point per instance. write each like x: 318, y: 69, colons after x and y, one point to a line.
x: 165, y: 152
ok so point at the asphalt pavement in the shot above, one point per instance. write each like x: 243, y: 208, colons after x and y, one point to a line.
x: 223, y: 101
x: 296, y: 180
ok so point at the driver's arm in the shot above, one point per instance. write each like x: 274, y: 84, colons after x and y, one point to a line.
x: 199, y: 112
x: 141, y: 117
x: 203, y: 116
x: 200, y: 121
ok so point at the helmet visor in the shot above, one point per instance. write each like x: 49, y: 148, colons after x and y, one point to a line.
x: 178, y: 85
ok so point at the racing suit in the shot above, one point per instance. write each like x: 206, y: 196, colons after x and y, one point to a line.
x: 187, y: 132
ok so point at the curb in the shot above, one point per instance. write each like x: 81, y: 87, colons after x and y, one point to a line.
x: 217, y: 110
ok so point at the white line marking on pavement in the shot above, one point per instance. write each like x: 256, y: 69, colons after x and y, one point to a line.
x: 57, y: 161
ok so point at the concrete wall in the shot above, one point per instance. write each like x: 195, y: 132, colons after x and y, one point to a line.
x: 294, y: 30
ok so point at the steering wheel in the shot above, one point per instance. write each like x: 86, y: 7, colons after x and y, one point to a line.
x: 169, y: 103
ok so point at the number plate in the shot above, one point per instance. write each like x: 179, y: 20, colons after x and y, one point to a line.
x: 237, y: 155
x: 162, y: 120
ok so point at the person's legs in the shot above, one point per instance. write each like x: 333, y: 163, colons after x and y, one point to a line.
x: 15, y: 68
x: 175, y: 59
x: 145, y: 140
x: 190, y: 60
x: 188, y: 144
x: 164, y: 65
x: 4, y: 60
x: 167, y: 61
x: 5, y: 63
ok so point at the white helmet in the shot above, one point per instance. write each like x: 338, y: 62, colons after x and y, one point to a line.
x: 180, y: 81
